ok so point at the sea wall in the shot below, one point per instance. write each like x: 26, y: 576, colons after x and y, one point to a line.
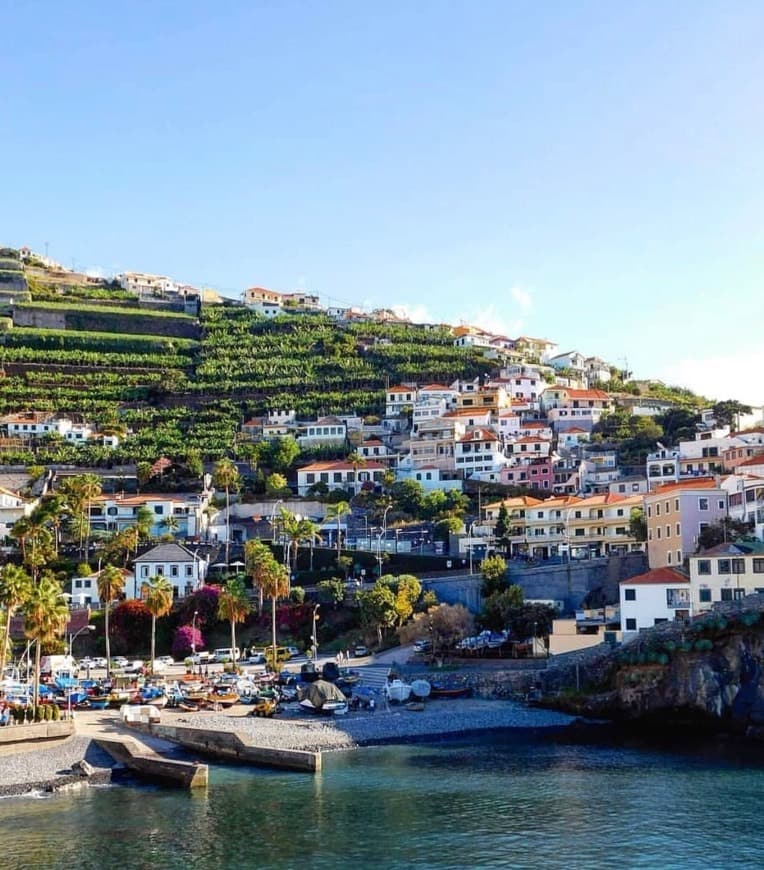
x: 35, y: 731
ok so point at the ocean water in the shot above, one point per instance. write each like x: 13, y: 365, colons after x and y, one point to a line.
x: 501, y: 802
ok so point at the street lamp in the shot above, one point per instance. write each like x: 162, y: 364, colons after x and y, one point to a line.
x: 273, y: 519
x: 315, y: 641
x: 469, y: 542
x: 193, y: 633
x: 72, y: 638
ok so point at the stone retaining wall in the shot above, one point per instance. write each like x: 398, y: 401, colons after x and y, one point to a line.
x: 36, y: 731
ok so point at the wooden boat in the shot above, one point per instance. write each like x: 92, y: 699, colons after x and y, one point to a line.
x: 455, y: 692
x: 328, y: 708
x: 227, y: 699
x: 414, y: 706
x: 188, y: 707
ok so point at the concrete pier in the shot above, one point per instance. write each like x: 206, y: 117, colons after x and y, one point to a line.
x: 232, y: 746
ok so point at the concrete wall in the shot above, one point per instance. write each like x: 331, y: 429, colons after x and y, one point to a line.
x: 37, y: 731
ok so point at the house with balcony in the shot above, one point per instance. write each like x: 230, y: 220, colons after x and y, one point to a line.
x: 593, y: 527
x: 598, y: 469
x: 426, y: 409
x: 181, y: 515
x: 399, y: 399
x: 541, y: 349
x: 662, y: 467
x: 34, y: 424
x: 745, y: 500
x: 537, y: 472
x: 266, y: 302
x: 478, y: 453
x: 432, y: 444
x: 659, y: 595
x: 484, y: 399
x: 340, y: 474
x: 438, y: 393
x: 566, y: 407
x: 326, y: 432
x: 517, y: 509
x: 522, y: 382
x: 572, y: 438
x: 597, y: 370
x: 676, y: 514
x: 374, y: 449
x: 185, y: 570
x: 727, y: 572
x: 572, y: 361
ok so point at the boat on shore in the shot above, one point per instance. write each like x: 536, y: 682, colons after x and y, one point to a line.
x: 397, y: 691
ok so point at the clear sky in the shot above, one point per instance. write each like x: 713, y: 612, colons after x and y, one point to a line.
x: 589, y: 172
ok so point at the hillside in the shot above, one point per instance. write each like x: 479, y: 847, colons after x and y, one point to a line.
x: 184, y: 382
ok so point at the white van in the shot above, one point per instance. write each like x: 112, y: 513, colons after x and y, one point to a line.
x: 226, y: 654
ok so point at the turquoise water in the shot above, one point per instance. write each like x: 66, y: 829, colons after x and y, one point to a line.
x: 507, y: 801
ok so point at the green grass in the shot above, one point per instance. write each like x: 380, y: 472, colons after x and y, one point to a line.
x: 105, y: 309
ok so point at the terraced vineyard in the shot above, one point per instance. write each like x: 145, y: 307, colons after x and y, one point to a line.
x: 83, y: 356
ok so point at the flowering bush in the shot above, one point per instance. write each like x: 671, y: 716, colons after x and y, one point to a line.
x: 187, y: 638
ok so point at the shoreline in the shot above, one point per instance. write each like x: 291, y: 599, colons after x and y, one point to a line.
x: 47, y: 769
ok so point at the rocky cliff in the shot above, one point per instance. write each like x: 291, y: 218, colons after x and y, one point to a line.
x: 707, y: 674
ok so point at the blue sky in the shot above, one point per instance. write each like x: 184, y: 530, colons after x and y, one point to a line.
x: 587, y: 172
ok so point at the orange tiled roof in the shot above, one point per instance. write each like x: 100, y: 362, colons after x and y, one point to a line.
x: 340, y: 465
x: 657, y: 575
x: 694, y: 483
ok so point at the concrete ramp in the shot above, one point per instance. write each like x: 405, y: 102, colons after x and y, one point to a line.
x: 151, y: 766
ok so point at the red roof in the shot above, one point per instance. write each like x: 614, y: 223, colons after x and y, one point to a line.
x: 754, y: 460
x: 479, y: 435
x: 402, y: 390
x: 657, y: 576
x: 694, y: 483
x: 341, y: 465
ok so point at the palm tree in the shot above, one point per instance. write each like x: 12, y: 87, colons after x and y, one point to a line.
x: 15, y: 586
x: 226, y: 476
x: 337, y: 511
x: 272, y: 579
x: 357, y: 461
x: 256, y: 553
x: 144, y: 520
x: 90, y: 488
x: 45, y: 616
x: 296, y: 530
x: 110, y: 584
x: 233, y: 605
x: 170, y: 524
x: 158, y: 601
x: 52, y: 507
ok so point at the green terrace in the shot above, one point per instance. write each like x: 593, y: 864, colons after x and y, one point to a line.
x: 106, y: 309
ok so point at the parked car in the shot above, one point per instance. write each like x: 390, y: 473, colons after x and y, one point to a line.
x: 359, y: 651
x: 201, y: 658
x: 119, y: 662
x: 422, y: 646
x: 166, y: 660
x: 256, y: 658
x: 134, y: 667
x: 99, y: 662
x: 226, y: 654
x: 293, y: 651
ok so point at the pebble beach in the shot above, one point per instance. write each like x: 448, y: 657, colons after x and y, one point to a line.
x: 41, y: 767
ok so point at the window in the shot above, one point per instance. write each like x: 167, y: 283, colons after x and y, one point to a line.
x: 723, y: 566
x: 679, y: 557
x: 629, y: 594
x: 158, y: 509
x: 144, y: 570
x: 758, y: 566
x: 726, y: 595
x: 668, y: 557
x: 667, y: 507
x: 668, y: 531
x: 738, y: 566
x: 704, y: 566
x: 702, y: 504
x: 649, y: 511
x: 721, y: 504
x: 189, y: 570
x: 676, y: 505
x: 631, y: 625
x: 704, y: 596
x: 658, y: 533
x: 173, y: 570
x: 678, y: 529
x: 657, y: 510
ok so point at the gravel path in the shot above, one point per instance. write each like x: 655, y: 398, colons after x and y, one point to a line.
x: 394, y: 724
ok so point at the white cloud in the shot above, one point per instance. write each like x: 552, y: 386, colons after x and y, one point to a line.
x: 522, y: 297
x: 415, y: 313
x: 729, y: 376
x: 492, y: 320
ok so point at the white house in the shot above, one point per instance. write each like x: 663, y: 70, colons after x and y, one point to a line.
x: 660, y: 595
x: 570, y: 360
x: 430, y: 477
x: 27, y: 424
x: 399, y: 397
x: 85, y: 589
x: 326, y: 432
x: 182, y: 567
x: 182, y: 515
x: 12, y: 508
x: 340, y: 474
x: 479, y: 450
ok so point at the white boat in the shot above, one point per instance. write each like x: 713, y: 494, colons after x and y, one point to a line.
x: 328, y: 708
x: 397, y: 691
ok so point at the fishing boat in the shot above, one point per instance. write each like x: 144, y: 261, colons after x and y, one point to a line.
x: 397, y: 691
x: 224, y: 699
x: 98, y: 702
x: 324, y: 697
